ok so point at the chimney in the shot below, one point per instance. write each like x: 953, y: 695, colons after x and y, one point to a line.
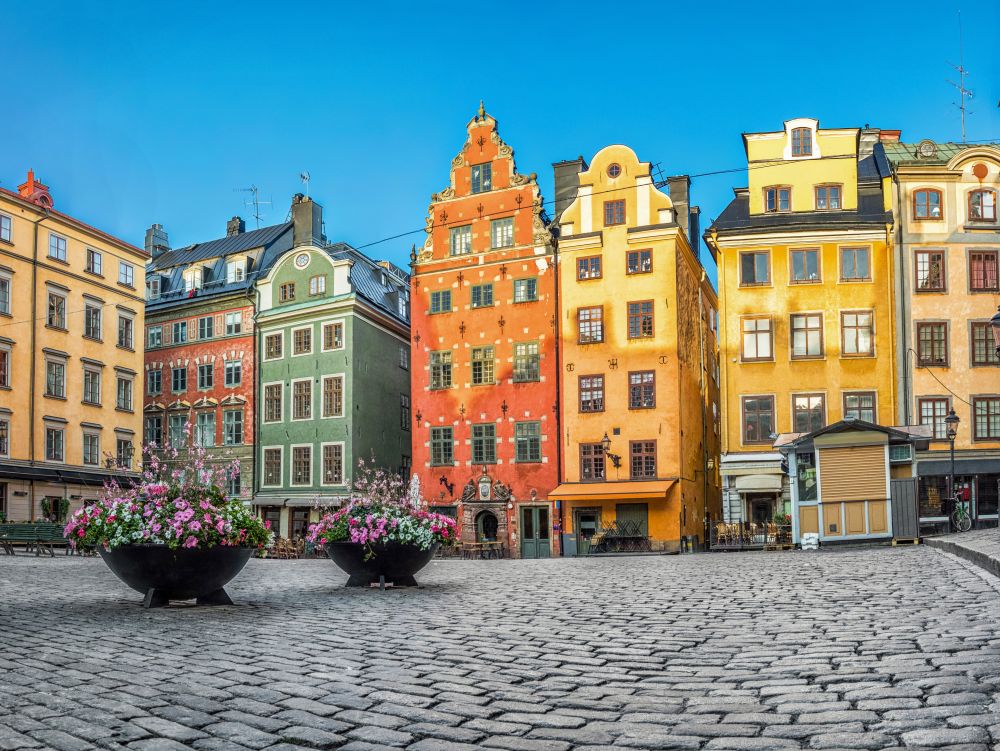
x: 695, y: 238
x: 680, y: 196
x: 567, y: 176
x: 307, y: 221
x: 33, y: 190
x: 156, y: 241
x: 235, y: 226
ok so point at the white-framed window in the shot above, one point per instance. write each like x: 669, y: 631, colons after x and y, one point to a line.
x: 232, y: 427
x: 234, y: 373
x: 95, y: 262
x: 333, y: 335
x: 333, y: 396
x: 4, y: 436
x: 333, y: 463
x: 301, y: 464
x: 55, y: 444
x: 124, y: 452
x: 234, y: 323
x: 92, y: 320
x: 502, y: 232
x: 153, y: 287
x: 5, y: 287
x: 4, y: 367
x: 154, y: 336
x: 317, y: 285
x: 204, y: 429
x: 236, y: 271
x: 56, y: 310
x: 126, y: 274
x: 461, y: 240
x: 271, y: 466
x: 193, y: 279
x: 92, y: 385
x: 302, y: 399
x: 55, y: 379
x: 5, y: 228
x: 126, y: 332
x: 92, y: 449
x: 124, y: 393
x: 57, y: 247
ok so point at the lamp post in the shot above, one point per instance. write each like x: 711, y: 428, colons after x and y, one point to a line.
x: 605, y: 448
x: 995, y: 328
x: 951, y: 426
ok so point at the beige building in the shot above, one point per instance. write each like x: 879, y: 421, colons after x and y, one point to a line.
x: 71, y: 309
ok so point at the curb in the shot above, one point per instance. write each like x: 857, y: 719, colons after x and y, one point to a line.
x: 984, y: 561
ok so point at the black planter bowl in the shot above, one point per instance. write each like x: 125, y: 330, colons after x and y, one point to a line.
x: 397, y: 562
x: 162, y: 574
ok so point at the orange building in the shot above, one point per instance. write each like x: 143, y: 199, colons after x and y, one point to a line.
x: 484, y: 370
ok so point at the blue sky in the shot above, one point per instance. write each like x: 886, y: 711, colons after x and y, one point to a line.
x: 138, y: 113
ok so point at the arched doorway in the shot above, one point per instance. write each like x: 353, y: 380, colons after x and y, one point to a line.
x: 486, y: 526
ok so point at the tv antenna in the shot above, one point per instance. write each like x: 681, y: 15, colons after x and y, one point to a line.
x: 304, y: 177
x: 254, y: 202
x: 963, y: 92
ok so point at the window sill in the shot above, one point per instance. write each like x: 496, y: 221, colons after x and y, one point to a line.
x: 807, y: 358
x: 56, y: 328
x: 798, y: 282
x: 93, y: 339
x: 90, y: 404
x: 756, y: 286
x: 125, y: 409
x: 930, y: 291
x: 4, y: 314
x: 93, y: 273
x: 858, y: 356
x: 866, y: 280
x: 127, y: 286
x: 58, y: 260
x: 54, y: 396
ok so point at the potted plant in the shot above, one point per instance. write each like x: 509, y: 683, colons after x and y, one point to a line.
x: 384, y: 533
x: 172, y: 535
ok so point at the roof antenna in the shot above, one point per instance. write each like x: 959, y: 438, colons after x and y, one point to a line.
x: 962, y: 73
x: 304, y: 177
x: 254, y: 201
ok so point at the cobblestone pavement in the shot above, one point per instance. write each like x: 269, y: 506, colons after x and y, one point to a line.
x: 858, y: 649
x: 981, y: 547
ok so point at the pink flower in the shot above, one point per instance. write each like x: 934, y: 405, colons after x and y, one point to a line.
x: 191, y: 542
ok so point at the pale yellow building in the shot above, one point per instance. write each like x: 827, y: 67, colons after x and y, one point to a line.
x: 71, y: 356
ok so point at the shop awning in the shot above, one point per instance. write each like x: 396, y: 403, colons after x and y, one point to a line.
x: 611, y: 491
x: 758, y: 483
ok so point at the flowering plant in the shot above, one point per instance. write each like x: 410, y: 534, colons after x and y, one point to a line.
x: 182, y: 507
x: 382, y: 509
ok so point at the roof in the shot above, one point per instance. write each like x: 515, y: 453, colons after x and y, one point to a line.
x: 903, y: 433
x: 222, y: 247
x: 377, y: 284
x: 870, y: 213
x: 907, y: 153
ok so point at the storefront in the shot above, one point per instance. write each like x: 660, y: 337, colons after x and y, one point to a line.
x: 977, y: 483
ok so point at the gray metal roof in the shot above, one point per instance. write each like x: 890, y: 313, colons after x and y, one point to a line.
x: 376, y: 284
x: 222, y: 247
x: 870, y: 211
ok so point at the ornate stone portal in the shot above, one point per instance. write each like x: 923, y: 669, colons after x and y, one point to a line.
x: 485, y: 495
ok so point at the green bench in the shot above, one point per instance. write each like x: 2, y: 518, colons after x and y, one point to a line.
x: 38, y: 537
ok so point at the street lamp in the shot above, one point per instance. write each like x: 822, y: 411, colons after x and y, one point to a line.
x: 995, y: 328
x: 605, y: 447
x: 951, y: 428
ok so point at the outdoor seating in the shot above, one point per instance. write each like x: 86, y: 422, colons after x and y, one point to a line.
x: 34, y: 537
x: 483, y: 550
x: 621, y: 536
x: 750, y: 536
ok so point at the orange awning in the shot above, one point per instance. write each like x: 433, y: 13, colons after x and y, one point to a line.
x: 611, y: 491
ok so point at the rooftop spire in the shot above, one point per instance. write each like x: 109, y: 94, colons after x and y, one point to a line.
x: 482, y: 110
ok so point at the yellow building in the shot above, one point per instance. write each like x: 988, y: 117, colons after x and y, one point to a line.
x: 637, y: 358
x: 71, y: 309
x: 806, y: 296
x: 948, y: 240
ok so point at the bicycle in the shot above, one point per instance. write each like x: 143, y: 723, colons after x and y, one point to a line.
x: 960, y: 516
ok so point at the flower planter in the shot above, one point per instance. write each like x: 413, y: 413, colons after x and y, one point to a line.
x: 395, y: 561
x: 163, y: 574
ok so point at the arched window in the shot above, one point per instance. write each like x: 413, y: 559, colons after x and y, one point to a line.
x: 486, y: 526
x: 927, y: 204
x: 983, y: 206
x: 802, y: 143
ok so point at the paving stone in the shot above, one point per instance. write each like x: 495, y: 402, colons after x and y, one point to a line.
x: 950, y: 737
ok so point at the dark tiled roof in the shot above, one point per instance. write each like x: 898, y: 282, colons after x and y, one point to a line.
x: 736, y: 215
x: 367, y: 281
x: 224, y: 246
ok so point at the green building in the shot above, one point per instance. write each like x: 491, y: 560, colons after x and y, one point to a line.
x: 333, y: 382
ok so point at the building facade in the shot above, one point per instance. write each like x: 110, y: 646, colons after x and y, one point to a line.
x: 806, y: 287
x: 485, y: 362
x: 638, y: 351
x: 333, y: 378
x: 948, y: 242
x: 71, y: 310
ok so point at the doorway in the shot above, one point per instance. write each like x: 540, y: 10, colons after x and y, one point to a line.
x: 486, y: 526
x: 535, y: 532
x: 586, y: 522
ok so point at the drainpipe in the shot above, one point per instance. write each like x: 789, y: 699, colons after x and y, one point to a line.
x: 903, y: 285
x: 559, y: 387
x: 253, y: 295
x: 703, y: 389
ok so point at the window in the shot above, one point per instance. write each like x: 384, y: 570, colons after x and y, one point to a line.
x: 588, y: 268
x: 460, y: 240
x: 92, y: 385
x: 302, y: 399
x: 272, y: 467
x: 758, y: 419
x: 927, y: 204
x: 234, y: 485
x: 805, y: 266
x: 932, y: 412
x: 54, y: 444
x: 4, y: 368
x: 755, y: 268
x: 638, y: 261
x: 482, y: 295
x: 441, y: 370
x: 333, y: 336
x: 176, y: 425
x: 484, y: 444
x: 807, y: 335
x: 591, y: 461
x: 206, y: 327
x: 983, y: 349
x: 55, y: 379
x: 154, y: 381
x: 802, y: 142
x: 502, y: 232
x: 482, y: 366
x: 123, y: 453
x: 4, y: 437
x: 983, y: 206
x: 124, y: 400
x: 986, y: 418
x: 333, y: 396
x: 930, y: 270
x: 614, y: 212
x: 234, y: 373
x: 827, y: 197
x: 234, y: 323
x: 5, y: 228
x: 232, y: 427
x: 404, y: 357
x: 193, y: 279
x: 808, y: 412
x: 302, y: 341
x: 525, y: 290
x: 95, y: 261
x: 4, y: 295
x: 206, y: 376
x: 854, y: 265
x: 404, y: 411
x: 180, y: 332
x: 92, y: 321
x: 777, y: 199
x: 528, y: 441
x: 91, y: 449
x: 932, y: 344
x: 272, y: 402
x: 204, y: 429
x: 236, y: 271
x: 56, y: 311
x: 126, y: 274
x: 333, y: 464
x: 526, y: 362
x: 642, y: 460
x: 126, y: 327
x: 856, y: 330
x: 983, y: 271
x: 317, y: 285
x: 442, y: 448
x: 154, y: 336
x: 153, y: 287
x: 273, y: 344
x: 441, y: 301
x: 286, y: 292
x: 57, y: 247
x: 482, y: 177
x: 757, y: 339
x: 301, y: 465
x: 178, y: 379
x: 592, y: 393
x: 859, y: 405
x: 590, y: 325
x: 640, y: 319
x: 642, y: 389
x: 153, y: 433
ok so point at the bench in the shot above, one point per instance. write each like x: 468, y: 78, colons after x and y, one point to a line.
x: 37, y: 537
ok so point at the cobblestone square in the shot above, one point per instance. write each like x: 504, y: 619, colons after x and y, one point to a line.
x: 857, y: 649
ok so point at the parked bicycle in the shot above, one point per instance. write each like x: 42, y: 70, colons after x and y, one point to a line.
x: 960, y: 517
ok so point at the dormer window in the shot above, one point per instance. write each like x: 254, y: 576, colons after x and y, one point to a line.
x: 236, y: 271
x: 192, y: 279
x: 827, y: 197
x: 153, y: 288
x: 482, y: 177
x: 927, y: 204
x: 802, y: 143
x: 983, y: 206
x: 777, y: 198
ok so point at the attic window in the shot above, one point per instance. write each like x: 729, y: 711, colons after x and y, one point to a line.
x: 193, y: 279
x: 236, y: 271
x: 153, y: 288
x: 802, y: 142
x: 382, y: 278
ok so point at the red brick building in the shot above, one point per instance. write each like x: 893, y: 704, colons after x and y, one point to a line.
x: 484, y: 390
